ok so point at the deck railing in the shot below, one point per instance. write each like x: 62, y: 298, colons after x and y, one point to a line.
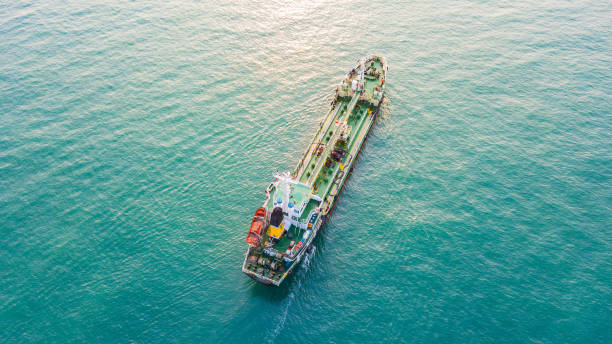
x: 328, y: 120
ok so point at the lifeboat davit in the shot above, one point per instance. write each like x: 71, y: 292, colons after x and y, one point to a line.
x: 257, y: 227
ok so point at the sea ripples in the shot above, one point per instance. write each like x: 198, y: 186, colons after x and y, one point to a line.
x: 137, y: 139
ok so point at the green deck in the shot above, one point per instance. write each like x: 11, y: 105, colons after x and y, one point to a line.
x: 355, y: 121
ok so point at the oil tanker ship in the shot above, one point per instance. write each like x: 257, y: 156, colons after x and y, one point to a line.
x: 298, y: 203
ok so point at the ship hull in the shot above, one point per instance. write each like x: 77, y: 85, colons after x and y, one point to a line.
x: 299, y: 204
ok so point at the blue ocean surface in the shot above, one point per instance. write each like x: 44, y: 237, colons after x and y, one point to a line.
x: 137, y: 138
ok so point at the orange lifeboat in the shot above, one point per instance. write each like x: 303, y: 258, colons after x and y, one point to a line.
x: 257, y: 227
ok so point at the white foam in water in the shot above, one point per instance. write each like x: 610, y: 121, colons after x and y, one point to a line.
x: 298, y: 283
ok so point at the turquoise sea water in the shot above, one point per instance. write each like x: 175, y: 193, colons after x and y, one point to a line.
x: 136, y: 140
